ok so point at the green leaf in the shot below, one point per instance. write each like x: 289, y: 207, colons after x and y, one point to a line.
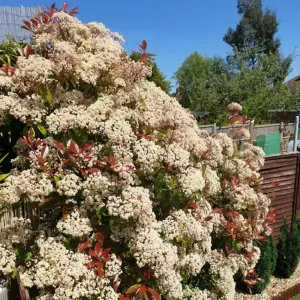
x: 46, y: 94
x: 42, y: 130
x: 28, y: 256
x: 56, y: 179
x: 2, y: 158
x: 14, y: 273
x: 143, y: 103
x: 3, y: 176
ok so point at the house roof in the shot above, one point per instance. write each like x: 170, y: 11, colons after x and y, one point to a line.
x: 296, y: 78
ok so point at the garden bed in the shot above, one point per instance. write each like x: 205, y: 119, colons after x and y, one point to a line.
x: 275, y: 288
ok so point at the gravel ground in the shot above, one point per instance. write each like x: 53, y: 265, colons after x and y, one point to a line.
x: 274, y: 288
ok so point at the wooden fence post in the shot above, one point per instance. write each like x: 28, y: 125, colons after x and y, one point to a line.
x: 251, y: 131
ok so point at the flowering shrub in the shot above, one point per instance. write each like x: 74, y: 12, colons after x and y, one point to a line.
x: 115, y: 192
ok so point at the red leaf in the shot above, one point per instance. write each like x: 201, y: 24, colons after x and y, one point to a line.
x: 99, y: 237
x: 27, y: 51
x: 193, y: 206
x: 111, y: 160
x: 73, y: 147
x: 38, y: 142
x: 91, y: 265
x: 87, y: 156
x: 25, y: 141
x: 98, y: 249
x: 41, y: 160
x: 116, y: 285
x: 143, y: 57
x: 27, y: 25
x: 105, y: 252
x: 60, y: 146
x: 92, y: 253
x: 92, y: 170
x: 142, y: 290
x: 148, y: 137
x: 44, y: 16
x: 65, y: 7
x: 81, y: 247
x: 85, y: 148
x: 155, y: 294
x: 74, y: 11
x: 35, y: 22
x: 143, y: 46
x: 30, y: 137
x: 100, y: 273
x: 233, y: 214
x: 45, y: 151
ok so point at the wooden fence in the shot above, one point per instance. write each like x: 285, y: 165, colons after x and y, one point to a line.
x: 11, y: 19
x: 281, y: 175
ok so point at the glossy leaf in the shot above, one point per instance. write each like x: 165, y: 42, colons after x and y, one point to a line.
x: 155, y: 294
x: 60, y: 146
x: 27, y: 51
x: 133, y: 289
x: 42, y: 130
x: 143, y: 46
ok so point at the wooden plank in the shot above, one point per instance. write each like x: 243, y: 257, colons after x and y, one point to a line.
x: 277, y: 176
x: 278, y: 206
x: 279, y: 169
x: 276, y: 165
x: 283, y: 180
x: 285, y: 196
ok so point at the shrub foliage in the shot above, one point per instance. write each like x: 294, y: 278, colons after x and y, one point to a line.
x: 115, y: 193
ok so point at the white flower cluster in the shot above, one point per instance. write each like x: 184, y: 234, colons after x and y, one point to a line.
x: 34, y: 186
x: 69, y: 185
x: 16, y: 231
x: 75, y: 225
x: 7, y: 259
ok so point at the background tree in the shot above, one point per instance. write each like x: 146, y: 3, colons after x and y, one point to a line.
x: 157, y: 76
x: 256, y: 34
x: 210, y: 84
x: 195, y: 78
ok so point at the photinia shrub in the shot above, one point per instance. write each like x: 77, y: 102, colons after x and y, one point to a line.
x: 115, y: 192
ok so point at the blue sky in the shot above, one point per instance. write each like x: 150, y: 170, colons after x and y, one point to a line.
x: 174, y: 29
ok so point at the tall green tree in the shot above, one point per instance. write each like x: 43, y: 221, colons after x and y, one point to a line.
x: 195, y: 77
x: 256, y: 33
x: 157, y: 76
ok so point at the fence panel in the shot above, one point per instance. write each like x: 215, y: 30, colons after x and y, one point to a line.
x: 281, y: 175
x: 11, y: 19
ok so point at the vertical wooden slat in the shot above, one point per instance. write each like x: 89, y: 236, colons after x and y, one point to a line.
x: 11, y: 21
